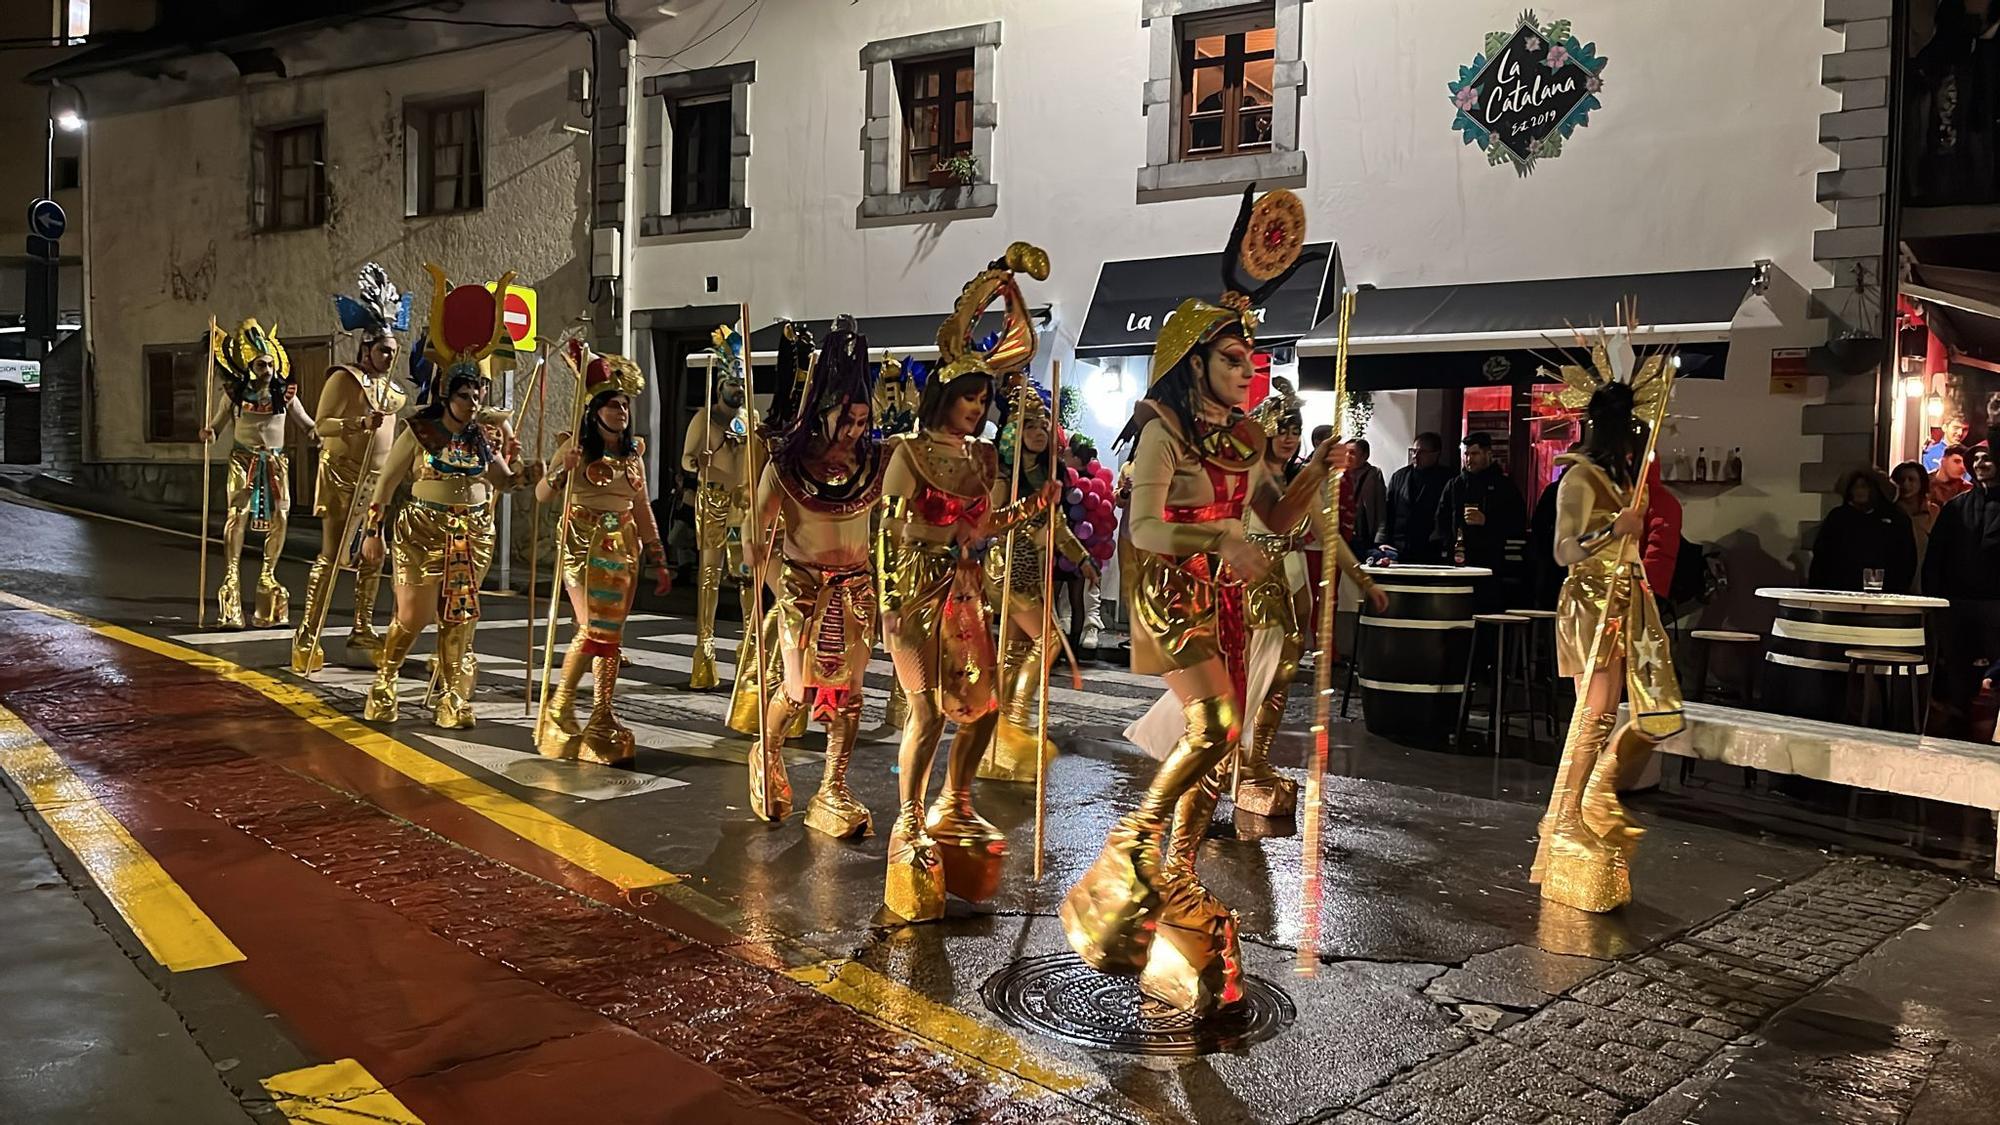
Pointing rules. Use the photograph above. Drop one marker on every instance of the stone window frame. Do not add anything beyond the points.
(1165, 176)
(660, 89)
(883, 201)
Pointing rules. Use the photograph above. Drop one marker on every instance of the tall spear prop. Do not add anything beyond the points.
(1020, 405)
(207, 412)
(1048, 620)
(755, 626)
(1329, 531)
(540, 393)
(555, 578)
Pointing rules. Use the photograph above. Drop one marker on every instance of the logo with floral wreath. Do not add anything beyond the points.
(1527, 92)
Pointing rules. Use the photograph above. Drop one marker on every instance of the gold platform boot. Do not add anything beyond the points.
(381, 705)
(708, 595)
(1259, 788)
(274, 602)
(557, 736)
(770, 785)
(605, 740)
(364, 642)
(1602, 810)
(914, 887)
(306, 655)
(1580, 869)
(458, 671)
(971, 848)
(229, 598)
(1012, 756)
(835, 810)
(1196, 961)
(743, 717)
(1110, 916)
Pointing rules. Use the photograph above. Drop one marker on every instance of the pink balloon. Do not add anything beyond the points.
(1103, 550)
(1093, 468)
(1084, 530)
(1074, 496)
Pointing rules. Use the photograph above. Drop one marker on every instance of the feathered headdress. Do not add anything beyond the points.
(1264, 245)
(958, 354)
(726, 345)
(377, 309)
(468, 323)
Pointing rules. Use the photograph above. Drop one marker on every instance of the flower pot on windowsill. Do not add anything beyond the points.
(941, 178)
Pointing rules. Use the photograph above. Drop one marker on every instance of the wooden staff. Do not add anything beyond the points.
(754, 473)
(207, 413)
(555, 579)
(1014, 497)
(539, 392)
(1048, 625)
(1329, 532)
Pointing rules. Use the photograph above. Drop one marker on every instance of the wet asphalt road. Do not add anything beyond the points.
(1437, 954)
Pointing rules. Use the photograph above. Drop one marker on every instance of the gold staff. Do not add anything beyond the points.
(207, 412)
(1020, 407)
(535, 391)
(1329, 532)
(555, 578)
(755, 475)
(1048, 620)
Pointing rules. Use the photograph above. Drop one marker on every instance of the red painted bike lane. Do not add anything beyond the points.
(475, 990)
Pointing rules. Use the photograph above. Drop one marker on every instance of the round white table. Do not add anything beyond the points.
(1806, 664)
(1413, 655)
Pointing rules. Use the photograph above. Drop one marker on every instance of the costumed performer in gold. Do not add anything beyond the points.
(937, 519)
(1022, 651)
(1276, 638)
(607, 530)
(444, 532)
(259, 393)
(896, 399)
(795, 354)
(714, 451)
(1608, 632)
(813, 507)
(1198, 469)
(356, 420)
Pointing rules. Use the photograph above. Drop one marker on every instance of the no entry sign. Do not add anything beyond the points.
(519, 314)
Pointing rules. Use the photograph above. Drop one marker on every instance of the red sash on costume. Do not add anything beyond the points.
(1232, 632)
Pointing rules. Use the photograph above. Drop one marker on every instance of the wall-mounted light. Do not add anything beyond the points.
(1913, 386)
(1934, 407)
(69, 121)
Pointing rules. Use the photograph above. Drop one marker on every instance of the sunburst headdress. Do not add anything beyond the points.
(1615, 359)
(958, 354)
(1265, 246)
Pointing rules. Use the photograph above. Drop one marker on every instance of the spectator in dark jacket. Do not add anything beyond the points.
(1371, 492)
(1481, 504)
(1410, 516)
(1963, 565)
(1867, 532)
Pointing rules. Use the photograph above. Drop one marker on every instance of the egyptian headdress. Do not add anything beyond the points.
(959, 351)
(377, 309)
(236, 352)
(1262, 254)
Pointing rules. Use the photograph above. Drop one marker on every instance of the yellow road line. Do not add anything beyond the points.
(996, 1053)
(991, 1051)
(550, 833)
(339, 1093)
(170, 925)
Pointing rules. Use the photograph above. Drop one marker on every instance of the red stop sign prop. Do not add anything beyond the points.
(519, 323)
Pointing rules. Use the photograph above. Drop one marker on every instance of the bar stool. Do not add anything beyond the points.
(1866, 665)
(1498, 624)
(1538, 666)
(1705, 643)
(1354, 662)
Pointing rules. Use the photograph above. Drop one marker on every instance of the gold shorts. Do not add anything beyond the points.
(718, 517)
(267, 491)
(828, 616)
(942, 632)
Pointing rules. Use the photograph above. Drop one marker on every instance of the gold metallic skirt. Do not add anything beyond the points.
(426, 535)
(941, 626)
(1268, 602)
(600, 555)
(334, 488)
(261, 480)
(1175, 619)
(718, 517)
(828, 616)
(1599, 596)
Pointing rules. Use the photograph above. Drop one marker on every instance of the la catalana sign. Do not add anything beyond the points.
(1527, 92)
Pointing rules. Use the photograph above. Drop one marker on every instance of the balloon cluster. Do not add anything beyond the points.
(1087, 500)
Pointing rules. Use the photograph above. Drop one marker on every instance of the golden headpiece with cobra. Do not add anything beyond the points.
(468, 323)
(602, 373)
(958, 353)
(1614, 359)
(236, 351)
(1264, 245)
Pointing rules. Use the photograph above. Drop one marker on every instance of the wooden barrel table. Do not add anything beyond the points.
(1413, 655)
(1805, 669)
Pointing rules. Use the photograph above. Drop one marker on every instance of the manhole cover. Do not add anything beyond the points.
(1059, 996)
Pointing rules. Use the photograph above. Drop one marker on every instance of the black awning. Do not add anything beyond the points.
(897, 334)
(1134, 297)
(1493, 332)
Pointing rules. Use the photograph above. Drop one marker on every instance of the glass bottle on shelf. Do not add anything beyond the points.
(1701, 463)
(1733, 470)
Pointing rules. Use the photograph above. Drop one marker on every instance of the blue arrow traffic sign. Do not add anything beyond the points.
(46, 218)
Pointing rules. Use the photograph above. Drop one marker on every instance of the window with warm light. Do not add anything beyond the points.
(937, 117)
(1227, 66)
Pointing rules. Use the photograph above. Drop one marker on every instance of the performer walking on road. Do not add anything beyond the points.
(260, 394)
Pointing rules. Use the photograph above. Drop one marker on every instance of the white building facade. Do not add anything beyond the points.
(1718, 137)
